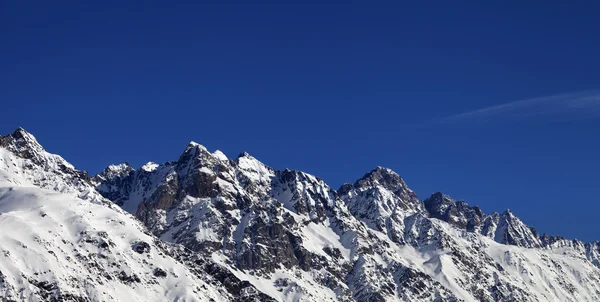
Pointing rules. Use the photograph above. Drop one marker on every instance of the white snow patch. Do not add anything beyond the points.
(149, 167)
(48, 236)
(220, 155)
(317, 236)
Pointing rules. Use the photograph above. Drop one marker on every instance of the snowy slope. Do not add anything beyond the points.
(59, 247)
(286, 232)
(296, 239)
(236, 229)
(23, 156)
(71, 244)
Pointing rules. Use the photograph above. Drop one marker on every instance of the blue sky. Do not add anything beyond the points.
(496, 104)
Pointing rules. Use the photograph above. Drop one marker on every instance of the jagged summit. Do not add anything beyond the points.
(457, 213)
(27, 162)
(113, 171)
(118, 167)
(21, 142)
(21, 133)
(193, 144)
(504, 228)
(438, 201)
(382, 200)
(382, 168)
(258, 233)
(244, 154)
(508, 212)
(439, 195)
(149, 166)
(220, 155)
(56, 246)
(379, 176)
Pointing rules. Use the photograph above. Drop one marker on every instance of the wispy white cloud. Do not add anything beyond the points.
(577, 105)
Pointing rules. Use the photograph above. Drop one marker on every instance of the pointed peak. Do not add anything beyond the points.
(20, 130)
(195, 145)
(437, 194)
(437, 200)
(345, 188)
(510, 216)
(149, 166)
(298, 173)
(192, 154)
(244, 154)
(381, 176)
(22, 134)
(220, 155)
(508, 213)
(440, 196)
(381, 169)
(245, 159)
(118, 170)
(118, 167)
(22, 144)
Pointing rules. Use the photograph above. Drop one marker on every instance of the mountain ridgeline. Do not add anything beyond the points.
(246, 232)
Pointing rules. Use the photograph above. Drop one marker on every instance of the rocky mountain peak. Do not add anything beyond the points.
(149, 166)
(22, 143)
(438, 202)
(220, 155)
(511, 230)
(440, 197)
(381, 176)
(195, 156)
(244, 154)
(382, 182)
(382, 200)
(22, 156)
(194, 145)
(119, 170)
(457, 213)
(345, 188)
(22, 134)
(504, 228)
(291, 236)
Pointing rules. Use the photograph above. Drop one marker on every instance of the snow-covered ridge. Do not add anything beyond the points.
(370, 240)
(255, 232)
(61, 247)
(22, 155)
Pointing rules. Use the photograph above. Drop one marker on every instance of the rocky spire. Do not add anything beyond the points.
(457, 213)
(22, 143)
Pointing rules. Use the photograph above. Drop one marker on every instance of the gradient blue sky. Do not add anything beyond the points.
(495, 104)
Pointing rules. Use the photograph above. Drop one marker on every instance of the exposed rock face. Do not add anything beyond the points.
(240, 230)
(373, 240)
(504, 228)
(382, 200)
(24, 156)
(60, 247)
(457, 213)
(265, 223)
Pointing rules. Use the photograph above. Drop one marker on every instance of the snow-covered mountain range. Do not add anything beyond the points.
(207, 227)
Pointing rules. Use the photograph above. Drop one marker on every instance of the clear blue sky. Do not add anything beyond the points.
(333, 89)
